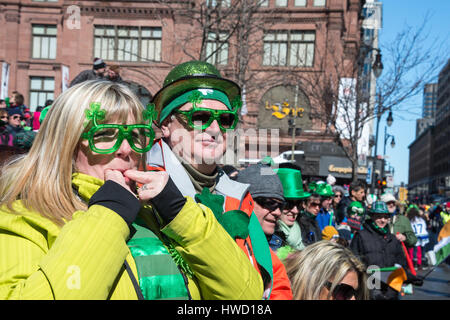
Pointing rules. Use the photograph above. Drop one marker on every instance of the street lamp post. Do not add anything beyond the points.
(386, 138)
(377, 69)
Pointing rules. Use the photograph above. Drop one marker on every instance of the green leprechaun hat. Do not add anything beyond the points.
(292, 182)
(322, 189)
(192, 75)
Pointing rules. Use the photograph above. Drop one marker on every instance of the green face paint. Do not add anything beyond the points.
(107, 138)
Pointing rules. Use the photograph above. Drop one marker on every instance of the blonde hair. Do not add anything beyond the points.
(42, 178)
(310, 269)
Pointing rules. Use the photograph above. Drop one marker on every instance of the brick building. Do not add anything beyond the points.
(46, 44)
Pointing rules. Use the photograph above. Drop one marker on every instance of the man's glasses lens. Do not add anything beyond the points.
(201, 117)
(270, 204)
(227, 119)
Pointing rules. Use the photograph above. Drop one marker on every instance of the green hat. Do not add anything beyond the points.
(44, 114)
(292, 182)
(322, 189)
(190, 76)
(379, 207)
(355, 208)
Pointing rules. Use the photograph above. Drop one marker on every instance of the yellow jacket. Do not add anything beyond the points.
(85, 258)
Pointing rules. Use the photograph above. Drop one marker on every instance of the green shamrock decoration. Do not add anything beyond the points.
(235, 222)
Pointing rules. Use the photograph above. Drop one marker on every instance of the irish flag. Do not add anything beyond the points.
(440, 252)
(442, 249)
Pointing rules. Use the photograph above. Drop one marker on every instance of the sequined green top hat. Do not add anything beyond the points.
(322, 189)
(291, 180)
(379, 207)
(190, 76)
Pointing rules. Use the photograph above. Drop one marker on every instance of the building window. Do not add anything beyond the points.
(120, 43)
(44, 42)
(300, 3)
(264, 3)
(217, 48)
(319, 3)
(281, 3)
(41, 90)
(45, 0)
(219, 3)
(289, 48)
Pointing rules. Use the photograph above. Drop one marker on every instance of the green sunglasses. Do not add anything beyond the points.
(107, 138)
(201, 118)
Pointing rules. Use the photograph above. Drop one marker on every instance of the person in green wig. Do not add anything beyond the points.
(196, 109)
(288, 237)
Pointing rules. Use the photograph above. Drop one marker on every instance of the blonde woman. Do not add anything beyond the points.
(73, 221)
(326, 271)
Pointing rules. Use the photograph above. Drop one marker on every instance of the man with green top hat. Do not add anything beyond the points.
(287, 237)
(195, 109)
(325, 191)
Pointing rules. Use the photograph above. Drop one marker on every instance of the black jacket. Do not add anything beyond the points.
(375, 248)
(310, 229)
(382, 250)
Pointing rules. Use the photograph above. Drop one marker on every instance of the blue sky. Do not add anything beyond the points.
(397, 13)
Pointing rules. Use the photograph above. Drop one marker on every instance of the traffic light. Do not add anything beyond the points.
(384, 182)
(379, 183)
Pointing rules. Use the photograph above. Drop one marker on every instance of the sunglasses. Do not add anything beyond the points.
(314, 204)
(4, 117)
(201, 118)
(17, 117)
(290, 204)
(342, 291)
(270, 204)
(380, 216)
(338, 196)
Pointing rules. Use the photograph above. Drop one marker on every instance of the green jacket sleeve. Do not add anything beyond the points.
(221, 268)
(79, 264)
(403, 225)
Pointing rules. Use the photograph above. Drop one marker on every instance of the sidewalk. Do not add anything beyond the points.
(436, 285)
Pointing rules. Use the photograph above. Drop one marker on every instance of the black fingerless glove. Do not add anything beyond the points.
(115, 197)
(169, 202)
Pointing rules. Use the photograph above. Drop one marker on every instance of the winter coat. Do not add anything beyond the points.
(401, 224)
(376, 248)
(311, 232)
(85, 258)
(236, 197)
(84, 76)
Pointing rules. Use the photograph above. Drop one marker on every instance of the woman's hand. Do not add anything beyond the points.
(117, 177)
(153, 182)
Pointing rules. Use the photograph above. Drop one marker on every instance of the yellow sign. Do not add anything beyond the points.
(359, 170)
(282, 110)
(402, 194)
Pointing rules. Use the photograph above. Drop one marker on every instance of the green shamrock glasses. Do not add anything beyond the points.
(201, 118)
(107, 138)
